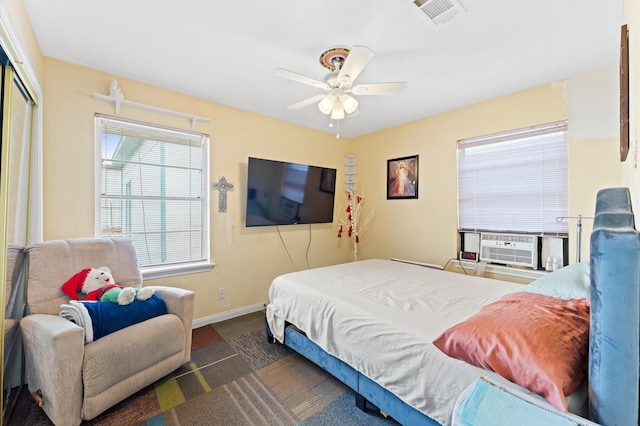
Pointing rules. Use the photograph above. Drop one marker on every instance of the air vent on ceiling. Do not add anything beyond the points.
(440, 11)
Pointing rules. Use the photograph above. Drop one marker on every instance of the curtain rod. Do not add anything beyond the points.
(116, 97)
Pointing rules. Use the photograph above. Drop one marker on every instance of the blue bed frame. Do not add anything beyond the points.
(367, 391)
(614, 341)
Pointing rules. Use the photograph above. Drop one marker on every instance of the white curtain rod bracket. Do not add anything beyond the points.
(116, 97)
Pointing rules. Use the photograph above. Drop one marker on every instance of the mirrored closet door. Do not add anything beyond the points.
(15, 165)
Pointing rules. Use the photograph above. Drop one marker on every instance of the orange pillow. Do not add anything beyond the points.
(539, 342)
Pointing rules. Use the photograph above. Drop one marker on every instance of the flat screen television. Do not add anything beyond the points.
(281, 193)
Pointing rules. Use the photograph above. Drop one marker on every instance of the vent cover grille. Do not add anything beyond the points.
(440, 11)
(509, 249)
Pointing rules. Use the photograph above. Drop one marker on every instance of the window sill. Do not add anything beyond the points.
(171, 271)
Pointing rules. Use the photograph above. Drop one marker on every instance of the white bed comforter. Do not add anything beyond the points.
(381, 316)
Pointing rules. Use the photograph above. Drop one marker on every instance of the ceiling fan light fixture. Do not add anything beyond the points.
(326, 104)
(337, 114)
(349, 103)
(345, 65)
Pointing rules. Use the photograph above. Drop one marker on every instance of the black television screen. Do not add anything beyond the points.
(280, 193)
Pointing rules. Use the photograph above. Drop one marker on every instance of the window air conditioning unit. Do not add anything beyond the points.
(509, 249)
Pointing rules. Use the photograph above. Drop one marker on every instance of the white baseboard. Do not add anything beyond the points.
(413, 262)
(223, 316)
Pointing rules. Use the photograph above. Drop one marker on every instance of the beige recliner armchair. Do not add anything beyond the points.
(78, 381)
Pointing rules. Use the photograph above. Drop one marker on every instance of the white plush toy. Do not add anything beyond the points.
(98, 284)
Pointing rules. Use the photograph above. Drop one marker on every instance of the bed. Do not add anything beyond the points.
(398, 333)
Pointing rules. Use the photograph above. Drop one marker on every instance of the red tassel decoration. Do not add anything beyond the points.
(358, 199)
(350, 217)
(340, 231)
(349, 196)
(350, 230)
(357, 239)
(348, 208)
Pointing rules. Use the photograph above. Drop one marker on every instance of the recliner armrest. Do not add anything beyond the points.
(179, 302)
(56, 345)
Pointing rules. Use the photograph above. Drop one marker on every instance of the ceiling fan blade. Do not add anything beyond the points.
(306, 102)
(357, 59)
(379, 88)
(281, 72)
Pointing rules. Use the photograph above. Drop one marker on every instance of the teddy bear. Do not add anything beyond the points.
(98, 284)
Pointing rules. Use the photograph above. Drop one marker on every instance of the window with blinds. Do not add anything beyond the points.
(514, 181)
(152, 187)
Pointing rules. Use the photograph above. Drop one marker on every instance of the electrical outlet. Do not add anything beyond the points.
(221, 293)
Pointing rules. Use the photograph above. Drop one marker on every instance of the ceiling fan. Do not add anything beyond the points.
(345, 65)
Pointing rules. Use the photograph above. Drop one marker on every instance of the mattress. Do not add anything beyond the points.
(381, 317)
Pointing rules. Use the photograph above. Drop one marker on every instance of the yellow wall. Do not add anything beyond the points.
(422, 229)
(20, 20)
(246, 266)
(425, 229)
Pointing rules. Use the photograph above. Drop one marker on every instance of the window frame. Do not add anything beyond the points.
(523, 138)
(158, 270)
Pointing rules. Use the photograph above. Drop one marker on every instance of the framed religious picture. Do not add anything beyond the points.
(402, 178)
(624, 93)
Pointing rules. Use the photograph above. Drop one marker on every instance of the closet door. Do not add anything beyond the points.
(17, 114)
(15, 141)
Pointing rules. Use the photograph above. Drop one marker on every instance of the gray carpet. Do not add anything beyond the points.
(234, 378)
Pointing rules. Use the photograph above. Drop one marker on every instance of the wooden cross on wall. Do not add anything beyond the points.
(223, 186)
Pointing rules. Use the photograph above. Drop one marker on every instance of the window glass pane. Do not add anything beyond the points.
(152, 190)
(514, 181)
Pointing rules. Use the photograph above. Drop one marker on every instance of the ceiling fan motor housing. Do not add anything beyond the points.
(334, 58)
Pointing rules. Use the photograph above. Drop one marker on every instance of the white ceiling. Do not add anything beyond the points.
(225, 51)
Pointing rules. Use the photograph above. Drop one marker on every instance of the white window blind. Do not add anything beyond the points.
(514, 181)
(152, 187)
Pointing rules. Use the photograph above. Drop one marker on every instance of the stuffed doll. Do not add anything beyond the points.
(98, 284)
